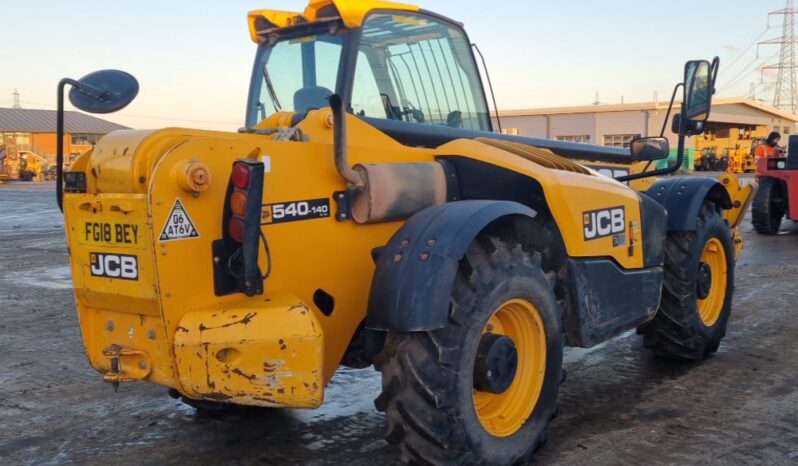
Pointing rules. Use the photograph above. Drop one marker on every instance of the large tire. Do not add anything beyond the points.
(769, 206)
(697, 291)
(428, 378)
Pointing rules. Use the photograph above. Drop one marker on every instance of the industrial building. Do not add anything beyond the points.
(28, 138)
(733, 123)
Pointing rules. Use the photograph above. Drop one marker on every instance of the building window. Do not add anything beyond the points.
(619, 140)
(510, 131)
(80, 139)
(583, 139)
(786, 130)
(14, 138)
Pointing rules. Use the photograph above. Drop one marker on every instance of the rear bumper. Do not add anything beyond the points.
(266, 356)
(270, 356)
(253, 351)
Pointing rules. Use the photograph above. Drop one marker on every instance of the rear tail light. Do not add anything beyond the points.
(235, 228)
(236, 254)
(240, 176)
(238, 202)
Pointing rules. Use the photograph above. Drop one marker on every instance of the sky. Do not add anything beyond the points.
(193, 59)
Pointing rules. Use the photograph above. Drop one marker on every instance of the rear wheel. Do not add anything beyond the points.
(769, 206)
(697, 290)
(482, 389)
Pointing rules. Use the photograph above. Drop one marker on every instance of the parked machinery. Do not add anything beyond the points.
(711, 161)
(778, 194)
(367, 214)
(749, 157)
(30, 167)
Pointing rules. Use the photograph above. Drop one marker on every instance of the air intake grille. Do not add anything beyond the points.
(540, 156)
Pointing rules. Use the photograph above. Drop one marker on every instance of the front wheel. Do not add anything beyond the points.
(697, 290)
(482, 389)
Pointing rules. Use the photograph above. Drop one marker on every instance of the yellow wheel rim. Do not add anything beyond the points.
(714, 256)
(503, 414)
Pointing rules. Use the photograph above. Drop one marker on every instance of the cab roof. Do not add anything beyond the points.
(351, 12)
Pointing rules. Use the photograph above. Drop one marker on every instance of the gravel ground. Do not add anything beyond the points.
(619, 405)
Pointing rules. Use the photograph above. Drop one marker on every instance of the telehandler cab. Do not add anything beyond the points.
(368, 214)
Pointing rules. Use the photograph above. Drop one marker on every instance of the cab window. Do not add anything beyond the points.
(418, 69)
(296, 75)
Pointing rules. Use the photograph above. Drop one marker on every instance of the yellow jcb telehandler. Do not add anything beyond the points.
(368, 214)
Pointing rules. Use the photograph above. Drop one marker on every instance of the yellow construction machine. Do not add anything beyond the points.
(19, 165)
(369, 214)
(30, 167)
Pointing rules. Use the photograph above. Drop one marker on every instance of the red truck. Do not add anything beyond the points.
(777, 197)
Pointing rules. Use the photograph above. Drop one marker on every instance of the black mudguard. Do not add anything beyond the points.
(606, 300)
(416, 269)
(682, 198)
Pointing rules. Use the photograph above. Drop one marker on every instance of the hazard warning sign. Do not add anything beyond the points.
(179, 224)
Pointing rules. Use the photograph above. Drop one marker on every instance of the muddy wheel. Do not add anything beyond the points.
(769, 206)
(697, 291)
(482, 389)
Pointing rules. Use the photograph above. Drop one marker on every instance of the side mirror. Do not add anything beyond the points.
(105, 91)
(650, 149)
(100, 92)
(699, 86)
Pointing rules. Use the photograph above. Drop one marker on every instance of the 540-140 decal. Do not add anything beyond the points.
(292, 211)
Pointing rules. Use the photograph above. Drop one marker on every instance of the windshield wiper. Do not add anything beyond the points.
(270, 87)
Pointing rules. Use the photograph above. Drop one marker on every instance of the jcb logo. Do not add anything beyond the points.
(114, 266)
(604, 222)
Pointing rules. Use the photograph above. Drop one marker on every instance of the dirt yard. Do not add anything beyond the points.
(619, 405)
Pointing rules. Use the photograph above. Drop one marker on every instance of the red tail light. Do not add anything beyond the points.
(238, 200)
(236, 254)
(235, 228)
(240, 176)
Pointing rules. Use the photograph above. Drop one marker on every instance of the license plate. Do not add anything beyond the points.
(121, 235)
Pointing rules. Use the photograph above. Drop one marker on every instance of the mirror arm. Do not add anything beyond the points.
(714, 70)
(59, 147)
(679, 155)
(670, 109)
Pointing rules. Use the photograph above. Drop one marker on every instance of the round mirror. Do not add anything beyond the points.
(104, 91)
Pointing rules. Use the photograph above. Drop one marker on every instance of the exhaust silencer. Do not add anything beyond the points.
(395, 191)
(386, 191)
